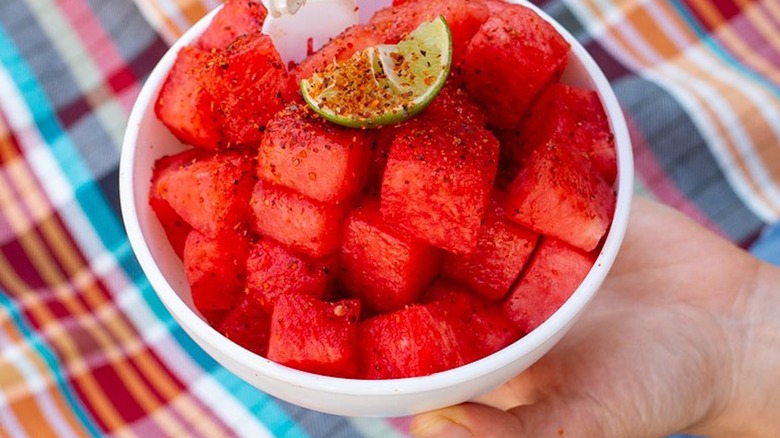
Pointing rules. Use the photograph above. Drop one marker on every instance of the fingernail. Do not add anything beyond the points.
(439, 426)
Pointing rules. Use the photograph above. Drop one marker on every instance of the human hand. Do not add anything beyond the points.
(683, 336)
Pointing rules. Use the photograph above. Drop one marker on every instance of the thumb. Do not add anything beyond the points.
(464, 421)
(570, 419)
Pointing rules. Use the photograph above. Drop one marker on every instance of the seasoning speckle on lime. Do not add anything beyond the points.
(384, 84)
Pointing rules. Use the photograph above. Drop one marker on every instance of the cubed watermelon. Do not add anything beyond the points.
(509, 60)
(438, 179)
(315, 336)
(210, 192)
(176, 229)
(273, 271)
(354, 39)
(557, 193)
(303, 224)
(501, 253)
(185, 106)
(481, 326)
(248, 325)
(321, 160)
(413, 341)
(568, 114)
(251, 85)
(236, 18)
(384, 267)
(554, 273)
(215, 267)
(464, 18)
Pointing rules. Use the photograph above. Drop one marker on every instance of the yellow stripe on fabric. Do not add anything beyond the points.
(147, 366)
(758, 128)
(47, 268)
(84, 71)
(734, 41)
(21, 398)
(83, 280)
(65, 346)
(192, 10)
(734, 110)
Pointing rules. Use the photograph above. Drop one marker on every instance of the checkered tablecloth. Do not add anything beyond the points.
(86, 348)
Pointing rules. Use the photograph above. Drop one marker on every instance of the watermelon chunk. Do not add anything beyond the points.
(412, 341)
(210, 192)
(176, 229)
(438, 179)
(303, 224)
(354, 39)
(509, 60)
(502, 251)
(250, 85)
(316, 158)
(273, 271)
(481, 326)
(185, 106)
(236, 18)
(248, 325)
(315, 336)
(215, 268)
(573, 115)
(557, 193)
(464, 18)
(385, 268)
(554, 273)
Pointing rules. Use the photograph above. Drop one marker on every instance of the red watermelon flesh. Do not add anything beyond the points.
(316, 158)
(273, 271)
(573, 115)
(315, 336)
(354, 39)
(185, 106)
(412, 341)
(482, 328)
(176, 229)
(438, 179)
(557, 194)
(215, 267)
(463, 17)
(508, 62)
(384, 267)
(250, 85)
(554, 273)
(236, 18)
(248, 325)
(502, 251)
(303, 224)
(209, 192)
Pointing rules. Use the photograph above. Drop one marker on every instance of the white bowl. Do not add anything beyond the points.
(147, 139)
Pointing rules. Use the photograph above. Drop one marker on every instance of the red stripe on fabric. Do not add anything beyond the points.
(659, 184)
(14, 252)
(121, 79)
(745, 29)
(712, 14)
(612, 68)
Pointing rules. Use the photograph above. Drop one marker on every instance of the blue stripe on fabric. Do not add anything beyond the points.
(724, 54)
(34, 340)
(106, 224)
(767, 247)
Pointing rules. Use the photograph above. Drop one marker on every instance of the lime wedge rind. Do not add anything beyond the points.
(396, 82)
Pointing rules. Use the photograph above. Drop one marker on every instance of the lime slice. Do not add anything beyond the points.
(384, 84)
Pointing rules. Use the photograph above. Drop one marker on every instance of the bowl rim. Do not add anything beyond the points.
(197, 328)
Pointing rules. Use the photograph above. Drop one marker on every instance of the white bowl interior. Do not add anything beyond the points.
(147, 139)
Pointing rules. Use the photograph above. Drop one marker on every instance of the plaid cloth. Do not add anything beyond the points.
(86, 348)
